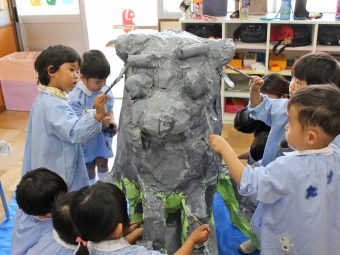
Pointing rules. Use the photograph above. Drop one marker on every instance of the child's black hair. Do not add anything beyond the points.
(95, 65)
(37, 190)
(317, 68)
(96, 212)
(54, 56)
(256, 149)
(61, 218)
(275, 84)
(318, 106)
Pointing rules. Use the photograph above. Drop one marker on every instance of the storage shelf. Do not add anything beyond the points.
(250, 72)
(228, 118)
(328, 48)
(246, 46)
(230, 25)
(236, 94)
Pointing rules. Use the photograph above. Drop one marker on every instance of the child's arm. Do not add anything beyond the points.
(199, 235)
(134, 235)
(244, 155)
(234, 165)
(255, 96)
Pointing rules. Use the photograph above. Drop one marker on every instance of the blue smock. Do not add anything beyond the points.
(118, 247)
(51, 243)
(272, 112)
(299, 209)
(82, 98)
(54, 135)
(27, 231)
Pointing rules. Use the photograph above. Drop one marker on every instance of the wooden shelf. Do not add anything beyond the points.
(236, 94)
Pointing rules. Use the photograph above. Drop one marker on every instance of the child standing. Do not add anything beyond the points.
(93, 73)
(299, 192)
(101, 218)
(55, 132)
(274, 86)
(62, 240)
(312, 68)
(35, 196)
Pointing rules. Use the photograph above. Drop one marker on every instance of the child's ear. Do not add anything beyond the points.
(118, 231)
(312, 137)
(82, 77)
(285, 96)
(50, 70)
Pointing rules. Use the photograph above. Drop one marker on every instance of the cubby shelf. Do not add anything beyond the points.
(228, 27)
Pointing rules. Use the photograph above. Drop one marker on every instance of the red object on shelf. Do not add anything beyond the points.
(232, 105)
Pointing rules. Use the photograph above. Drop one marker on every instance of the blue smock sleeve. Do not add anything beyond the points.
(269, 110)
(269, 183)
(67, 126)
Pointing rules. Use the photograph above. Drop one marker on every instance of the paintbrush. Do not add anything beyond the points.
(239, 71)
(120, 76)
(189, 214)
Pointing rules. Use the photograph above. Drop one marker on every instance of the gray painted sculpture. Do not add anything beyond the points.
(171, 104)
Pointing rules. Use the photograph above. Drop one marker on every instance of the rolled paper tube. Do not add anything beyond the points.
(142, 60)
(192, 50)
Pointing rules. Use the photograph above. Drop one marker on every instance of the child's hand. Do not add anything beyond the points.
(133, 225)
(217, 143)
(200, 234)
(256, 83)
(99, 105)
(106, 121)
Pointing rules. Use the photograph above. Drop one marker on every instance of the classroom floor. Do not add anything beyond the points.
(13, 126)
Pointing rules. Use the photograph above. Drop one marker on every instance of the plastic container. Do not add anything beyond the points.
(197, 11)
(18, 80)
(244, 8)
(285, 9)
(337, 13)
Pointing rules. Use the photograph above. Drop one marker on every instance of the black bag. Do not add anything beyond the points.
(251, 33)
(329, 35)
(302, 35)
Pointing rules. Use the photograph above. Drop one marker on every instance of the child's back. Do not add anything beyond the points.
(35, 197)
(62, 240)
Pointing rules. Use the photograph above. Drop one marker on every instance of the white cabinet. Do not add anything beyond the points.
(224, 27)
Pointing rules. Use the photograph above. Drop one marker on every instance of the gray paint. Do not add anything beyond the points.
(171, 104)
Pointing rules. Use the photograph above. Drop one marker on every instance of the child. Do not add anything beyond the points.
(55, 132)
(35, 196)
(62, 240)
(101, 218)
(93, 73)
(298, 193)
(312, 68)
(274, 86)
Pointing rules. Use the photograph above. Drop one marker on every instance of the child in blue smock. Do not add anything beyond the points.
(55, 132)
(35, 196)
(101, 218)
(274, 86)
(62, 240)
(312, 68)
(93, 73)
(298, 193)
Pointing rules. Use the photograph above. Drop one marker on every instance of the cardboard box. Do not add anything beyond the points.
(18, 80)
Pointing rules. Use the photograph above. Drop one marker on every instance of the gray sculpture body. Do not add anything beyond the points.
(171, 104)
